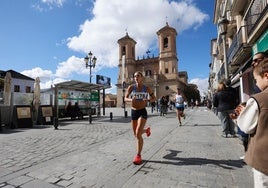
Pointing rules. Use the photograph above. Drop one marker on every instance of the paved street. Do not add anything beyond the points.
(83, 155)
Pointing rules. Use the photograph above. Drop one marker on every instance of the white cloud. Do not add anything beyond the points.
(45, 5)
(141, 18)
(57, 3)
(110, 21)
(202, 85)
(44, 75)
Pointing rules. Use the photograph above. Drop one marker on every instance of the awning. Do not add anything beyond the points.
(81, 86)
(78, 86)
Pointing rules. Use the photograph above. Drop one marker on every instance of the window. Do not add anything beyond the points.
(124, 50)
(166, 70)
(28, 89)
(165, 42)
(148, 73)
(16, 88)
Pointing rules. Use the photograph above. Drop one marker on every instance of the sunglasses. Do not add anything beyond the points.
(137, 75)
(256, 61)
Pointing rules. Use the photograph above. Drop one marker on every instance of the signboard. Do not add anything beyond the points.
(94, 96)
(47, 111)
(103, 80)
(22, 117)
(262, 43)
(23, 112)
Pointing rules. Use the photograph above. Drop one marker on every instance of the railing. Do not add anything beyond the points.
(255, 13)
(237, 43)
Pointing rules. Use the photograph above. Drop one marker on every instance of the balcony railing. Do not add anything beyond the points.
(238, 42)
(255, 13)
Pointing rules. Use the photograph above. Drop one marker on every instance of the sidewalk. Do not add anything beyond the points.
(100, 154)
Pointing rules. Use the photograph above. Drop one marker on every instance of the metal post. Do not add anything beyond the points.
(56, 118)
(90, 62)
(90, 72)
(89, 110)
(103, 101)
(225, 57)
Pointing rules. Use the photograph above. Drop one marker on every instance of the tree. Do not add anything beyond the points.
(191, 92)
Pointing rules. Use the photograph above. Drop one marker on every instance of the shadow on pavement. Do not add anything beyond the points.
(116, 119)
(180, 161)
(205, 125)
(11, 131)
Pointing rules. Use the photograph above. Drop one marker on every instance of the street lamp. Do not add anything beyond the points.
(223, 31)
(90, 62)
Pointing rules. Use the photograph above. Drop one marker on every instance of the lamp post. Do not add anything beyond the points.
(90, 62)
(223, 31)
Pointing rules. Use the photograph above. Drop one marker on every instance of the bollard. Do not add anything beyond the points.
(125, 114)
(56, 123)
(111, 116)
(90, 118)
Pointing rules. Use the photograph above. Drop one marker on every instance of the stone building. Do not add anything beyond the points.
(160, 73)
(242, 31)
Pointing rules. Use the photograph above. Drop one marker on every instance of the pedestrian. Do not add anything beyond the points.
(69, 111)
(77, 111)
(179, 104)
(259, 56)
(223, 100)
(137, 94)
(163, 106)
(152, 106)
(253, 120)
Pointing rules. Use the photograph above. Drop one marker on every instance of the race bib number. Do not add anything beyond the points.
(140, 95)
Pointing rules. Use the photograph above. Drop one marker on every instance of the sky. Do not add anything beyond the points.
(50, 38)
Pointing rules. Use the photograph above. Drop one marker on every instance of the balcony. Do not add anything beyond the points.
(256, 19)
(239, 50)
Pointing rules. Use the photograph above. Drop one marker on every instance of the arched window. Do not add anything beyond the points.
(148, 73)
(123, 50)
(165, 42)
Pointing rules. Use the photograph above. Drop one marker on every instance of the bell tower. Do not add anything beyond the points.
(168, 61)
(127, 65)
(126, 58)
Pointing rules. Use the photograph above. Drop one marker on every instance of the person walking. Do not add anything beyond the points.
(259, 56)
(223, 100)
(179, 104)
(137, 94)
(252, 119)
(163, 106)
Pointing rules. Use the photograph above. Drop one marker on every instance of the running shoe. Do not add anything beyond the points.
(148, 131)
(180, 123)
(137, 160)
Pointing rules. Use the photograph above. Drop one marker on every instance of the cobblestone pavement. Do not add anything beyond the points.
(82, 155)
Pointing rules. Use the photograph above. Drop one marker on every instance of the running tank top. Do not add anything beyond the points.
(140, 95)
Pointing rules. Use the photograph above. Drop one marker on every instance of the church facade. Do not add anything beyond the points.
(160, 73)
